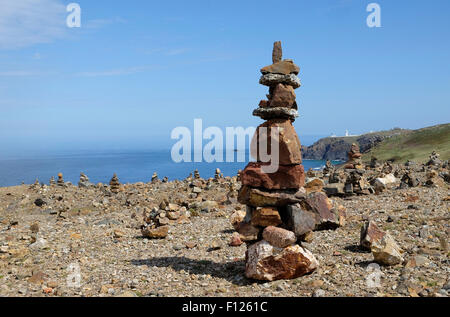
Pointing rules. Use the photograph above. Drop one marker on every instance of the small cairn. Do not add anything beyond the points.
(434, 159)
(328, 169)
(60, 181)
(280, 214)
(156, 223)
(155, 178)
(218, 174)
(84, 181)
(52, 181)
(196, 174)
(354, 158)
(115, 185)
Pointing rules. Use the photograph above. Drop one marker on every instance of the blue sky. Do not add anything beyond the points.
(137, 69)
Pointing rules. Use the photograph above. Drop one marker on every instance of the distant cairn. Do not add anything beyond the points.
(84, 181)
(115, 184)
(60, 181)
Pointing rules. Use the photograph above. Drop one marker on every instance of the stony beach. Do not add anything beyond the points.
(48, 232)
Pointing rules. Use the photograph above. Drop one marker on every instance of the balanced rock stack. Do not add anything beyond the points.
(84, 181)
(354, 158)
(60, 181)
(280, 213)
(115, 184)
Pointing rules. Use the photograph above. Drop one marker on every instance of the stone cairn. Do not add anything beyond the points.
(52, 181)
(155, 178)
(115, 184)
(354, 158)
(60, 181)
(280, 214)
(84, 181)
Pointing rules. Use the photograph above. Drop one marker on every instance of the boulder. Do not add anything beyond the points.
(287, 177)
(279, 237)
(386, 251)
(236, 218)
(314, 185)
(334, 189)
(288, 143)
(264, 262)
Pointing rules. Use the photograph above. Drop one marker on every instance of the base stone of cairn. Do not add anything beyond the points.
(280, 211)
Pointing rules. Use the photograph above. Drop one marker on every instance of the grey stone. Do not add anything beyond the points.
(274, 79)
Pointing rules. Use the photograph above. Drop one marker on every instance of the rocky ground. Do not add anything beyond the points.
(86, 241)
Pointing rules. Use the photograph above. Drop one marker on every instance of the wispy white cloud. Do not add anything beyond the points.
(18, 73)
(99, 23)
(27, 22)
(114, 72)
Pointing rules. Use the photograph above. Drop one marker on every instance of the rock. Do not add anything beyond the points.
(386, 251)
(313, 213)
(276, 113)
(39, 244)
(287, 177)
(287, 142)
(34, 228)
(118, 234)
(277, 53)
(334, 189)
(209, 206)
(315, 185)
(236, 218)
(264, 198)
(265, 217)
(285, 67)
(156, 233)
(283, 96)
(264, 262)
(279, 237)
(236, 240)
(417, 261)
(248, 232)
(40, 202)
(154, 178)
(272, 79)
(370, 233)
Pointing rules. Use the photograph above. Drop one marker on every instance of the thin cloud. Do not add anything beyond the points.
(114, 72)
(28, 22)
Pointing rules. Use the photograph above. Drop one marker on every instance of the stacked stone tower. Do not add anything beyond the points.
(280, 214)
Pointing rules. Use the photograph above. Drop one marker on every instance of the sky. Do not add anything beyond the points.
(137, 69)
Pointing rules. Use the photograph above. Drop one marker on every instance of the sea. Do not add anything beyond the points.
(130, 167)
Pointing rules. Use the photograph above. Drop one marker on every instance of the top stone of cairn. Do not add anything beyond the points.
(277, 53)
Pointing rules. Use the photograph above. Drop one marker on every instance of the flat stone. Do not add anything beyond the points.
(276, 113)
(314, 185)
(275, 79)
(286, 140)
(279, 237)
(287, 177)
(264, 262)
(284, 67)
(156, 233)
(334, 189)
(265, 217)
(275, 198)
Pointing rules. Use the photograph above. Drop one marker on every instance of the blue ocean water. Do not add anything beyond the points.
(130, 167)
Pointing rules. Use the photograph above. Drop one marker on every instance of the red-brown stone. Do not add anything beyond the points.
(287, 177)
(283, 96)
(288, 142)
